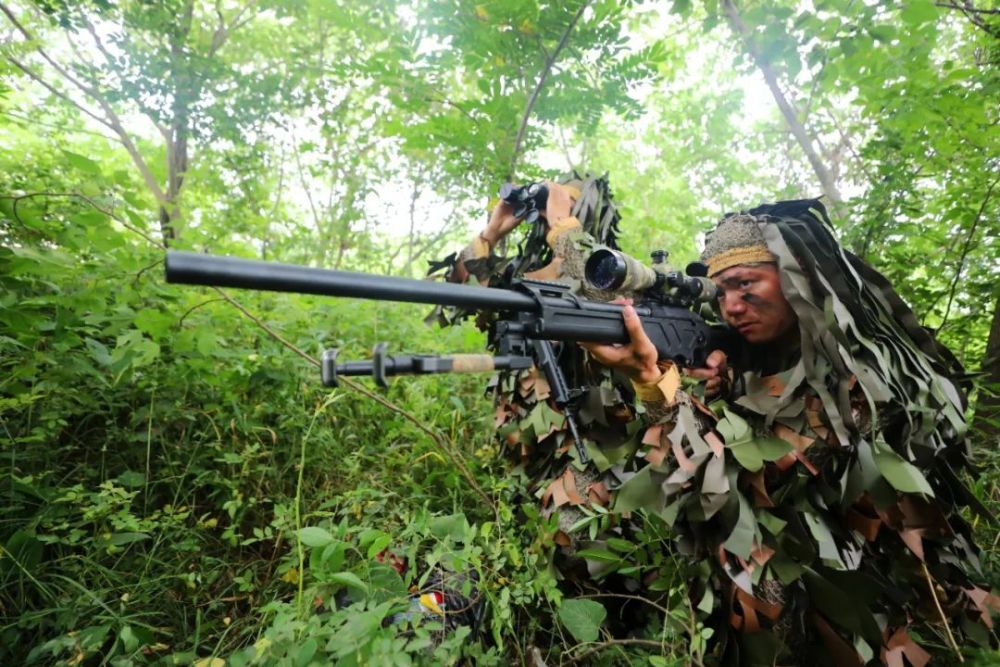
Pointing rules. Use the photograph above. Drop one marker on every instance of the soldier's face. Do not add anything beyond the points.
(751, 300)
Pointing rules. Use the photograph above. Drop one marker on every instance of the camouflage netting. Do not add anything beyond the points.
(830, 508)
(532, 430)
(815, 507)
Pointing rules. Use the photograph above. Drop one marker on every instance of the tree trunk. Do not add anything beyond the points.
(185, 89)
(177, 165)
(826, 178)
(987, 417)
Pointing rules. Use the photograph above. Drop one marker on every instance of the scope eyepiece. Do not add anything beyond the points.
(697, 288)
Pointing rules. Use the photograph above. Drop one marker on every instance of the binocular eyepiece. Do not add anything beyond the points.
(613, 270)
(527, 201)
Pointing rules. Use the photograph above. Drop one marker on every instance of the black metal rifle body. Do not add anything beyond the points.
(530, 310)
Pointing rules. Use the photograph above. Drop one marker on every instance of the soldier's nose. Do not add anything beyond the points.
(733, 305)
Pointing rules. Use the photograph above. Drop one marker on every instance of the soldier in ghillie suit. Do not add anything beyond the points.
(829, 507)
(808, 479)
(534, 434)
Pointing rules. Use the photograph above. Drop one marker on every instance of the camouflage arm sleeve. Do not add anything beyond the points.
(478, 260)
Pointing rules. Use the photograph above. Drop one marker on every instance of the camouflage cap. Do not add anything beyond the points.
(737, 239)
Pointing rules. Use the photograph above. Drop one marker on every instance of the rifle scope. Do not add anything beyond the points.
(613, 270)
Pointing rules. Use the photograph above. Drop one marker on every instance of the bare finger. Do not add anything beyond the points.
(716, 359)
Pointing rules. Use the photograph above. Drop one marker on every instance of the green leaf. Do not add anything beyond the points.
(90, 219)
(99, 352)
(93, 636)
(824, 538)
(740, 540)
(915, 12)
(306, 652)
(119, 539)
(734, 429)
(618, 544)
(599, 555)
(772, 448)
(332, 556)
(378, 544)
(452, 525)
(84, 164)
(153, 322)
(314, 536)
(640, 491)
(748, 455)
(582, 618)
(350, 580)
(23, 548)
(383, 579)
(903, 476)
(129, 640)
(205, 342)
(682, 7)
(771, 522)
(707, 601)
(132, 348)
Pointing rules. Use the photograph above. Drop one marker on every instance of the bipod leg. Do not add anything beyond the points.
(565, 398)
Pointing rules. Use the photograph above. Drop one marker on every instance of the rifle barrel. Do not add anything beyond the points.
(218, 271)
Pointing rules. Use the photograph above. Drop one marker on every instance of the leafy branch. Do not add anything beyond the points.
(546, 70)
(974, 14)
(110, 119)
(596, 648)
(965, 251)
(798, 130)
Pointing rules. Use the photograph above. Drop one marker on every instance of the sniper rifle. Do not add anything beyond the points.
(530, 315)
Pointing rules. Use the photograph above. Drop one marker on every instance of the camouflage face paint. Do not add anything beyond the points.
(753, 303)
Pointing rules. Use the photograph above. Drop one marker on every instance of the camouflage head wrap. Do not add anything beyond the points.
(853, 319)
(737, 240)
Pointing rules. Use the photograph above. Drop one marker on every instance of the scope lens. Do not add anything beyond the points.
(605, 269)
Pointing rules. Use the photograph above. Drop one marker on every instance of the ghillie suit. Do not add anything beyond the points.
(531, 430)
(828, 511)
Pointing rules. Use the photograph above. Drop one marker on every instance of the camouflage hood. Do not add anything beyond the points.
(855, 328)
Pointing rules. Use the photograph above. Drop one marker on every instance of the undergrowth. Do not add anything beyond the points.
(179, 488)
